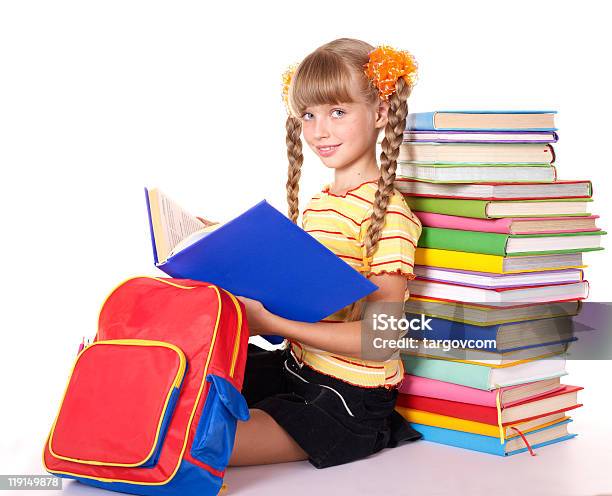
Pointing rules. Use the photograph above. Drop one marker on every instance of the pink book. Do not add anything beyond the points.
(432, 388)
(511, 225)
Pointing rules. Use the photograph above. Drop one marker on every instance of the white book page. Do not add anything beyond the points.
(177, 223)
(192, 238)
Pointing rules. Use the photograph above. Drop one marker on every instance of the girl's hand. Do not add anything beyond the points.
(256, 315)
(206, 222)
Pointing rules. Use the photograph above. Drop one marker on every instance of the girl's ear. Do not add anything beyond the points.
(382, 115)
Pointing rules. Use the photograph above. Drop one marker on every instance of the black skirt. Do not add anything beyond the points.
(333, 421)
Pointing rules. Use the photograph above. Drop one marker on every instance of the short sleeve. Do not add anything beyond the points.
(396, 247)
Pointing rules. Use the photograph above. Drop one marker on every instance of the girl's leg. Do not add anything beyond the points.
(260, 440)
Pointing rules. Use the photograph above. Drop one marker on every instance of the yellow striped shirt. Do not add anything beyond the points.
(340, 222)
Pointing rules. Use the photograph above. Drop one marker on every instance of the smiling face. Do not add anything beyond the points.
(344, 134)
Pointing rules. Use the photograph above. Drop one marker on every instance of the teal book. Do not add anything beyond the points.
(482, 376)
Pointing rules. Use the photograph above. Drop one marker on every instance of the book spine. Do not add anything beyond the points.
(463, 208)
(467, 241)
(155, 259)
(431, 388)
(464, 374)
(449, 259)
(422, 121)
(447, 422)
(428, 219)
(459, 439)
(448, 329)
(458, 409)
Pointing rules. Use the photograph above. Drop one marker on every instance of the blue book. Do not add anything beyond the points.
(487, 444)
(482, 120)
(552, 331)
(260, 254)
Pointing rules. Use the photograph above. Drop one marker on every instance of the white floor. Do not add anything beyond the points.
(579, 467)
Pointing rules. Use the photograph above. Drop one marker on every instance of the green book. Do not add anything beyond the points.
(509, 244)
(489, 209)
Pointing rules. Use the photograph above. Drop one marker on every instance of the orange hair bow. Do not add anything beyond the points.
(386, 66)
(286, 78)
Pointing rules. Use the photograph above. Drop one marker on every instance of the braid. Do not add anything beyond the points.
(294, 154)
(394, 135)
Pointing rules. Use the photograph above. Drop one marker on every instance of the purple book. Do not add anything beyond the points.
(481, 136)
(488, 280)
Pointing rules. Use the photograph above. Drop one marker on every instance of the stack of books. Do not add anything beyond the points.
(499, 271)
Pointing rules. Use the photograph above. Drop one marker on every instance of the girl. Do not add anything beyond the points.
(321, 398)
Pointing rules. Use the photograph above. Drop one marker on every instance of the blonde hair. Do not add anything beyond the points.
(325, 76)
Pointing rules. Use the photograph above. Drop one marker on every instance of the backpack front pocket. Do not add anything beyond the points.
(118, 403)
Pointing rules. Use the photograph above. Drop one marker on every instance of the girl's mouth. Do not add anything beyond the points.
(326, 151)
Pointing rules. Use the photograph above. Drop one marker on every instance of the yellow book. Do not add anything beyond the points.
(480, 262)
(457, 424)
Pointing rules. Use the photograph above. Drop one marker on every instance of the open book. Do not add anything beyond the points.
(260, 254)
(172, 227)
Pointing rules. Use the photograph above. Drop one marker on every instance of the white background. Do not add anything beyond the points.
(99, 99)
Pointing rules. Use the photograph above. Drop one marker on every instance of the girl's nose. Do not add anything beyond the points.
(321, 128)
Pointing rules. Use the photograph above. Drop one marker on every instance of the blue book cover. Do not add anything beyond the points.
(449, 329)
(262, 255)
(478, 442)
(425, 121)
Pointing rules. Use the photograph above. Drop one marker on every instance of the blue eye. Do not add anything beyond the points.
(342, 112)
(305, 116)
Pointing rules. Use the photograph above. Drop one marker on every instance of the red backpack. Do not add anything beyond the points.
(151, 405)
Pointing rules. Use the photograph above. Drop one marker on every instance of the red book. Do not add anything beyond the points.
(558, 401)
